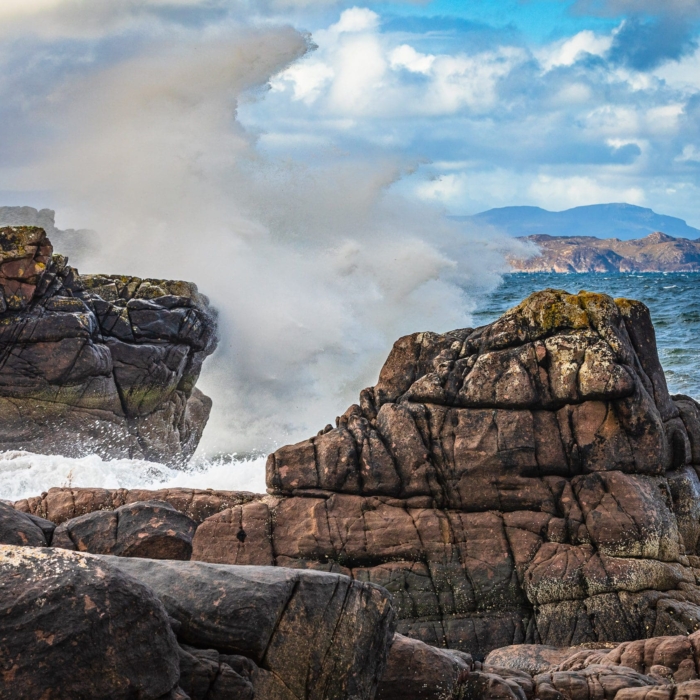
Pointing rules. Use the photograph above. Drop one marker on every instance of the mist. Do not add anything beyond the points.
(315, 267)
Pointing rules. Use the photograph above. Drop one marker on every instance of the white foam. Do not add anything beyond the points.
(24, 474)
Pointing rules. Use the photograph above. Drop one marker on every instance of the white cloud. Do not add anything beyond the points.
(308, 78)
(567, 51)
(356, 19)
(691, 153)
(407, 57)
(560, 193)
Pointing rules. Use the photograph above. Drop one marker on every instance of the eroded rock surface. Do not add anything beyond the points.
(95, 363)
(75, 627)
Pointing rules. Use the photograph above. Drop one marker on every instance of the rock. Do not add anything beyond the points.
(527, 481)
(72, 626)
(149, 529)
(420, 672)
(61, 504)
(20, 529)
(310, 634)
(94, 363)
(532, 658)
(205, 675)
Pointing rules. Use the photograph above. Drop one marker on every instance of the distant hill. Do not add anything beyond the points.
(623, 221)
(656, 252)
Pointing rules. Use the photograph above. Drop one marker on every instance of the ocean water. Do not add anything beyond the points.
(672, 298)
(674, 301)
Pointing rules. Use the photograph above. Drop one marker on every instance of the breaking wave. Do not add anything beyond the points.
(24, 474)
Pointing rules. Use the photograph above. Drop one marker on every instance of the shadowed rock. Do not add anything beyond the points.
(311, 635)
(76, 627)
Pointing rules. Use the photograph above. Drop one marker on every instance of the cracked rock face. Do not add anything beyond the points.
(528, 481)
(93, 363)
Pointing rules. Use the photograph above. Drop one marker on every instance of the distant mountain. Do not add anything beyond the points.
(623, 221)
(656, 252)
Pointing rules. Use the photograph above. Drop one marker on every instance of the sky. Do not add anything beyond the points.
(540, 102)
(485, 103)
(300, 159)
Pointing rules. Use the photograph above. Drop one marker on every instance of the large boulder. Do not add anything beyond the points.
(73, 626)
(309, 635)
(95, 363)
(147, 529)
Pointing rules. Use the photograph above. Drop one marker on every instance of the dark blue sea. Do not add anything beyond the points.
(673, 298)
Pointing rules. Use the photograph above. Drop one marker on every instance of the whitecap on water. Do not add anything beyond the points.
(24, 474)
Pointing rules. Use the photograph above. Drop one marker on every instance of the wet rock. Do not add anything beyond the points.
(72, 626)
(93, 363)
(150, 529)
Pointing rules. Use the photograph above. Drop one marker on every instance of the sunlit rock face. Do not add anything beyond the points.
(528, 481)
(93, 363)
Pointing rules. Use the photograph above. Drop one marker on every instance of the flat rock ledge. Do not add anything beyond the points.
(98, 363)
(519, 502)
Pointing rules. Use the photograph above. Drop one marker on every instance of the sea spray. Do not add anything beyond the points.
(24, 474)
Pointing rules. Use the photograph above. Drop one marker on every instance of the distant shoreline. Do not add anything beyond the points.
(657, 252)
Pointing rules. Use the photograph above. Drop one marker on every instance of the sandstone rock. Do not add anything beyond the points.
(149, 529)
(311, 635)
(73, 626)
(94, 363)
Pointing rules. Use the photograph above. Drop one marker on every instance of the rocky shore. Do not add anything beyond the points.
(656, 252)
(511, 512)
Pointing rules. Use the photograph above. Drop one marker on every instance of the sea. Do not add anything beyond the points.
(673, 299)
